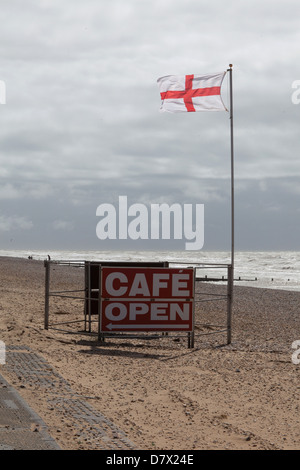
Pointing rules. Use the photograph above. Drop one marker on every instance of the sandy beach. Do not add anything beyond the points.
(160, 393)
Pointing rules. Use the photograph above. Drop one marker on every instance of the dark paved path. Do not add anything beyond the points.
(21, 428)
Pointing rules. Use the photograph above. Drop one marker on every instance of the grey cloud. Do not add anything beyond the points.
(81, 125)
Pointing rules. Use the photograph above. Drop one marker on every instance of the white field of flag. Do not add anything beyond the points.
(191, 93)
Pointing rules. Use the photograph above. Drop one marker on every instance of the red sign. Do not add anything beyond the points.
(147, 299)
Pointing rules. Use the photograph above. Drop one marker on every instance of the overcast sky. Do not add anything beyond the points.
(81, 125)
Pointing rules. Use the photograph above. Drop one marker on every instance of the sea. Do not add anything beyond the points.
(262, 269)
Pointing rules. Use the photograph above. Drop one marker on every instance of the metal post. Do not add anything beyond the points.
(231, 268)
(47, 289)
(101, 337)
(89, 296)
(232, 168)
(191, 335)
(85, 293)
(191, 338)
(229, 303)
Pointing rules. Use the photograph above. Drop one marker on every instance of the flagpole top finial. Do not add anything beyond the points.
(230, 65)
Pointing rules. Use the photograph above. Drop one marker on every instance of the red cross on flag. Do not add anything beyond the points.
(191, 93)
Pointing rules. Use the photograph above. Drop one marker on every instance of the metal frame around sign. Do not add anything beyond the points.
(171, 327)
(84, 296)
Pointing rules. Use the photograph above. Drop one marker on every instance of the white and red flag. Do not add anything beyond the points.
(191, 93)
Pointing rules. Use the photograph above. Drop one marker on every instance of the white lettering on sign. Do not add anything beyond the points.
(147, 299)
(109, 284)
(137, 309)
(117, 285)
(117, 311)
(158, 283)
(179, 284)
(139, 286)
(121, 311)
(176, 310)
(158, 312)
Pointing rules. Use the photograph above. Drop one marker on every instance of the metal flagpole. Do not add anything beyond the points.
(231, 270)
(232, 168)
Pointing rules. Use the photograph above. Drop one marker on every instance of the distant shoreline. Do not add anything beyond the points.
(274, 282)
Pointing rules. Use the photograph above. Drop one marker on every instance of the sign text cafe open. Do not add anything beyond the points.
(148, 299)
